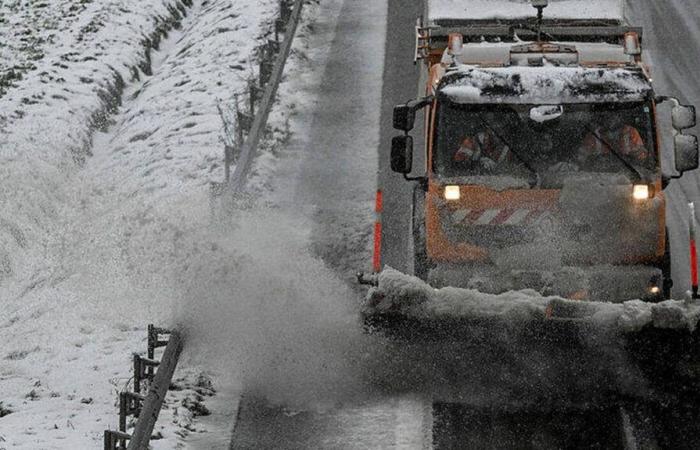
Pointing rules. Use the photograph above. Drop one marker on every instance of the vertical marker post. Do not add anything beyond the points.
(377, 257)
(693, 252)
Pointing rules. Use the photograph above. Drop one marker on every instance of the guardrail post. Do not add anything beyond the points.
(279, 28)
(244, 122)
(285, 11)
(137, 374)
(250, 146)
(154, 342)
(115, 440)
(141, 372)
(252, 97)
(273, 47)
(265, 71)
(146, 408)
(156, 394)
(129, 405)
(122, 411)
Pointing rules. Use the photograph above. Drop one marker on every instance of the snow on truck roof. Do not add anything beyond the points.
(519, 9)
(543, 85)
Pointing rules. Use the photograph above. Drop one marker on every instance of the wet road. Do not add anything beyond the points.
(328, 176)
(671, 45)
(343, 119)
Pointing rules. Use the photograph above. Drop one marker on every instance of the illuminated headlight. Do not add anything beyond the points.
(641, 192)
(452, 193)
(655, 290)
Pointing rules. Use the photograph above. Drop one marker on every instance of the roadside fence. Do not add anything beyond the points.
(154, 374)
(252, 107)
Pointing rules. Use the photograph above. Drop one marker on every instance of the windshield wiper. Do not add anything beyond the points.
(516, 153)
(632, 169)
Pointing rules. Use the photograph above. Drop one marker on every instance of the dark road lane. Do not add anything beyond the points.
(400, 85)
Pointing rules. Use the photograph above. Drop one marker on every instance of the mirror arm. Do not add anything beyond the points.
(420, 103)
(665, 98)
(419, 179)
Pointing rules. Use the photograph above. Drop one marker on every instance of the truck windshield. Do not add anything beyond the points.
(517, 140)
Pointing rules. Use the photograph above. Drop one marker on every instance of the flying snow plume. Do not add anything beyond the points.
(261, 306)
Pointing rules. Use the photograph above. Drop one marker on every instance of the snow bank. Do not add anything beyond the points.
(519, 9)
(49, 109)
(106, 150)
(468, 84)
(400, 293)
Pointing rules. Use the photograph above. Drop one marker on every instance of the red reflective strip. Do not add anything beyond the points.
(377, 256)
(474, 215)
(502, 216)
(693, 263)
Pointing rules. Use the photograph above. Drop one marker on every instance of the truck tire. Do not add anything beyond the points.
(421, 265)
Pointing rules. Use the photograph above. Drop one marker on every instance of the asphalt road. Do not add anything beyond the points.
(328, 176)
(672, 43)
(324, 179)
(400, 84)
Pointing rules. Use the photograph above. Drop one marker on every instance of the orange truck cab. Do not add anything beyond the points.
(542, 154)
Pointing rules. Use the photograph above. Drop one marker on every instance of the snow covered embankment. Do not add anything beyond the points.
(81, 57)
(107, 151)
(409, 296)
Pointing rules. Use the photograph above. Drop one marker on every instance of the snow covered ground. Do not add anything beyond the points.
(107, 151)
(105, 228)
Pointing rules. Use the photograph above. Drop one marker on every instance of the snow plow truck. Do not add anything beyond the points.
(542, 163)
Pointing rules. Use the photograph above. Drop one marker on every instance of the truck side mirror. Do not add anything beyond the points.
(683, 117)
(402, 154)
(404, 118)
(686, 152)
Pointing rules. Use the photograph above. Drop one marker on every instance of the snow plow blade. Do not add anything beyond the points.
(404, 307)
(450, 332)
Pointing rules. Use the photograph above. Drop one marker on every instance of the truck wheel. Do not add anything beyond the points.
(421, 264)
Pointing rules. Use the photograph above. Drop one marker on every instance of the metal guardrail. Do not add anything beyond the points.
(250, 146)
(146, 407)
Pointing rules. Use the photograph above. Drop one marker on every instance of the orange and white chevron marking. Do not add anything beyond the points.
(503, 216)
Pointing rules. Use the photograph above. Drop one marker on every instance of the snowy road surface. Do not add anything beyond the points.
(332, 189)
(327, 176)
(672, 43)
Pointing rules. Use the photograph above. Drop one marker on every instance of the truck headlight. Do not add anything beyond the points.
(641, 192)
(452, 193)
